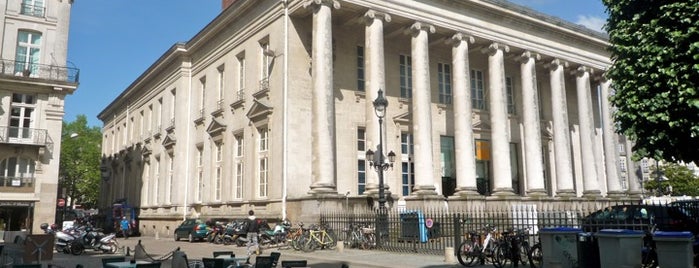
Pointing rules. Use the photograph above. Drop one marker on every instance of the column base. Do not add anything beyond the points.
(537, 192)
(466, 193)
(616, 194)
(635, 194)
(423, 190)
(593, 194)
(323, 189)
(503, 192)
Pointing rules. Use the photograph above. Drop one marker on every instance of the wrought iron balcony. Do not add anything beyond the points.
(16, 184)
(32, 70)
(27, 136)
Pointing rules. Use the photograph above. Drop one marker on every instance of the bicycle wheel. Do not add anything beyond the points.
(501, 256)
(311, 244)
(535, 256)
(369, 240)
(329, 240)
(524, 250)
(468, 253)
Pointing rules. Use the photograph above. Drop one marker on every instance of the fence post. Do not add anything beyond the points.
(457, 233)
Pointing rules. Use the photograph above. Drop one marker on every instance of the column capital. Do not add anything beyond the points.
(555, 63)
(494, 47)
(314, 3)
(459, 37)
(526, 55)
(420, 26)
(372, 15)
(581, 70)
(603, 79)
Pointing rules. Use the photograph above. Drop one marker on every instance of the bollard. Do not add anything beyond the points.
(340, 246)
(157, 236)
(128, 252)
(449, 255)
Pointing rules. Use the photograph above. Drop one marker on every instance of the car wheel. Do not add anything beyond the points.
(190, 238)
(177, 238)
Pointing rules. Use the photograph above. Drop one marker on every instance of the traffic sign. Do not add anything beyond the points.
(429, 222)
(61, 202)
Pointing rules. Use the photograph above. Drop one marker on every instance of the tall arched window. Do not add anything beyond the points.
(16, 171)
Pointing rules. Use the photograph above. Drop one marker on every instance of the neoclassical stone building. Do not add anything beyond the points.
(269, 107)
(34, 81)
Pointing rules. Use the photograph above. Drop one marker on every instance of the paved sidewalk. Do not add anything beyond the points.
(159, 248)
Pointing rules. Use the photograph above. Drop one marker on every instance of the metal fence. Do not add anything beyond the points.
(430, 231)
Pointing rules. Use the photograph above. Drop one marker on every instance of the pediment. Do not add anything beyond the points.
(404, 118)
(215, 127)
(477, 123)
(258, 110)
(169, 140)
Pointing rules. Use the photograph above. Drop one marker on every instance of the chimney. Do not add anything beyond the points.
(226, 3)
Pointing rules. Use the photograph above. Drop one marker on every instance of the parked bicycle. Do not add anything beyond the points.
(319, 236)
(649, 256)
(477, 246)
(360, 236)
(535, 255)
(513, 249)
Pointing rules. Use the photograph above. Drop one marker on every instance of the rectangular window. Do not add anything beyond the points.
(156, 181)
(263, 139)
(131, 128)
(407, 165)
(510, 91)
(263, 177)
(221, 84)
(360, 69)
(622, 166)
(22, 116)
(34, 8)
(477, 90)
(406, 143)
(218, 151)
(444, 81)
(447, 160)
(173, 106)
(239, 165)
(202, 90)
(361, 139)
(146, 182)
(141, 124)
(241, 77)
(200, 175)
(361, 176)
(28, 52)
(170, 179)
(159, 115)
(406, 77)
(150, 118)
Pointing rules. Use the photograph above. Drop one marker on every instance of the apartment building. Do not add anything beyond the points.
(270, 107)
(34, 81)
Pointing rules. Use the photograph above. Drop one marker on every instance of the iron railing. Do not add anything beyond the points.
(27, 136)
(42, 71)
(16, 183)
(430, 231)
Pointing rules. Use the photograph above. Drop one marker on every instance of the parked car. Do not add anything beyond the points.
(640, 217)
(192, 229)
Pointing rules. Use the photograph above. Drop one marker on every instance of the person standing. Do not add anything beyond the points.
(253, 230)
(124, 223)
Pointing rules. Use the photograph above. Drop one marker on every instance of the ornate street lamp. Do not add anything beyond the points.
(378, 162)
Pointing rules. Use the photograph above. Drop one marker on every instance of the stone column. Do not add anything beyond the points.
(611, 155)
(323, 106)
(463, 110)
(376, 79)
(502, 171)
(533, 157)
(422, 111)
(561, 130)
(587, 133)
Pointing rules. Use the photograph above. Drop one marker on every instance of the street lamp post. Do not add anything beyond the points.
(379, 164)
(659, 178)
(71, 188)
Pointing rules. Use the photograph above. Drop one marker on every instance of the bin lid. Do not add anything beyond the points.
(684, 234)
(561, 229)
(619, 232)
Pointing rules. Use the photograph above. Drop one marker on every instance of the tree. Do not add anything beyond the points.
(655, 71)
(80, 161)
(680, 178)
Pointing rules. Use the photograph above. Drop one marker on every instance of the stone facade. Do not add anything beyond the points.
(269, 108)
(34, 81)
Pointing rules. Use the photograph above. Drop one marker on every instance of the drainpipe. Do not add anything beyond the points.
(188, 137)
(285, 116)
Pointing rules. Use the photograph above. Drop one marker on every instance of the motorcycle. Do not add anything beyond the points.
(235, 233)
(275, 236)
(63, 238)
(87, 237)
(215, 234)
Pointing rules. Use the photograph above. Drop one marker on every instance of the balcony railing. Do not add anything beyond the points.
(33, 70)
(21, 135)
(32, 10)
(16, 184)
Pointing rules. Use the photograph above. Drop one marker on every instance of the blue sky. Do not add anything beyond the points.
(113, 42)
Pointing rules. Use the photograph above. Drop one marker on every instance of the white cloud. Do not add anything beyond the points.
(591, 22)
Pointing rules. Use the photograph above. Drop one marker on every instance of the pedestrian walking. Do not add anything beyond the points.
(124, 224)
(253, 229)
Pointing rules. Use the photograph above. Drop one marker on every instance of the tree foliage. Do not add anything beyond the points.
(655, 71)
(80, 161)
(680, 179)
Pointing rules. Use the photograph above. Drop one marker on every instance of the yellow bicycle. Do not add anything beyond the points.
(319, 237)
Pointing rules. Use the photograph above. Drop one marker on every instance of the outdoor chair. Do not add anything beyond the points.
(294, 263)
(220, 253)
(112, 259)
(148, 265)
(275, 257)
(213, 262)
(263, 262)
